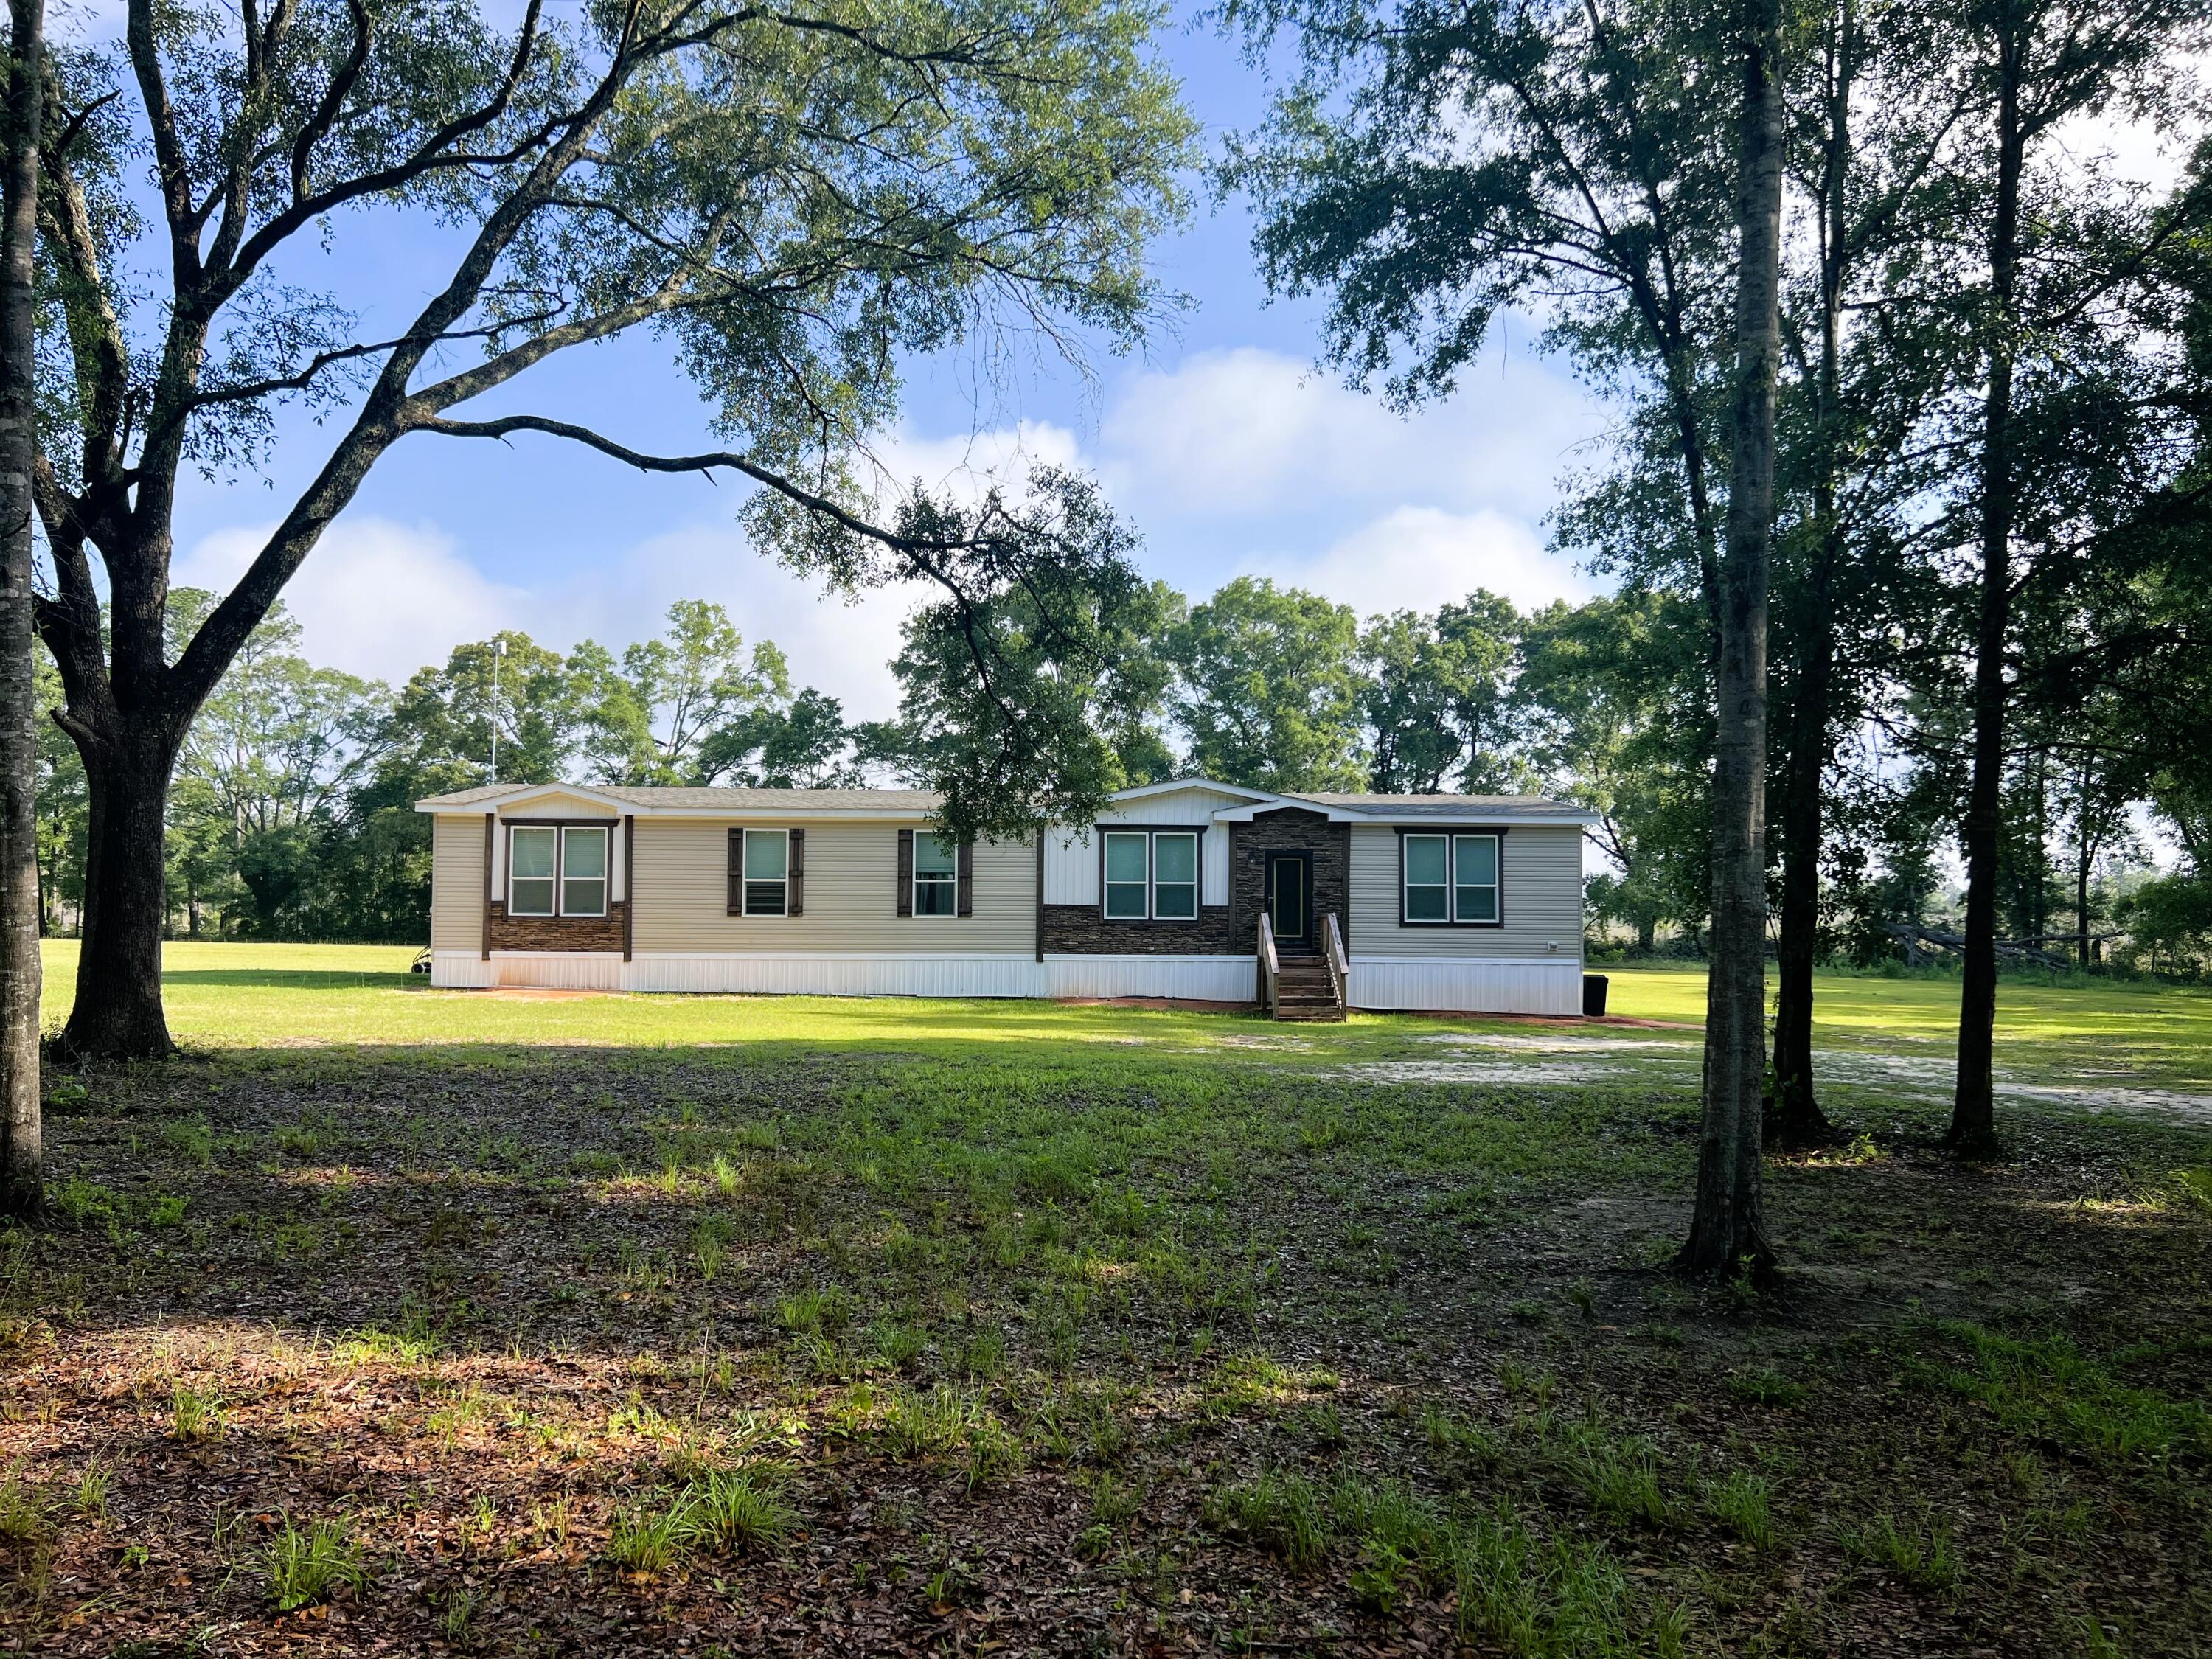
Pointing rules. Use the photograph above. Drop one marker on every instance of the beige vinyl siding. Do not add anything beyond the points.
(681, 890)
(1542, 879)
(457, 882)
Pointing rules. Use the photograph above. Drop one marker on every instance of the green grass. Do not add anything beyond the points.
(700, 1312)
(2087, 1035)
(2142, 1032)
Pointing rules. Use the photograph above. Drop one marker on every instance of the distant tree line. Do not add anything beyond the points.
(292, 816)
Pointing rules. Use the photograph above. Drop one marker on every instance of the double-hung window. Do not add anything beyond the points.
(767, 873)
(567, 863)
(1127, 873)
(936, 876)
(1474, 878)
(533, 853)
(1450, 879)
(1175, 876)
(1151, 875)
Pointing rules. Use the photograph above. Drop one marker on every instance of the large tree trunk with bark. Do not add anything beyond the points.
(1973, 1108)
(1794, 1117)
(1728, 1229)
(22, 1177)
(118, 975)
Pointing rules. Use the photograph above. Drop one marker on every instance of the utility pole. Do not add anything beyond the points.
(498, 650)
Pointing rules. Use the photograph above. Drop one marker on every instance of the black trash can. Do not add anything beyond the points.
(1593, 993)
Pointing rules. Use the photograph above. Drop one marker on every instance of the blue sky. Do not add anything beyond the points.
(1221, 443)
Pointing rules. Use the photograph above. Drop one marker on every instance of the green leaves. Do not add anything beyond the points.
(1028, 689)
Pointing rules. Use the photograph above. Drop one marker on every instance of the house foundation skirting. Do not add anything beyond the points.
(1492, 986)
(1546, 985)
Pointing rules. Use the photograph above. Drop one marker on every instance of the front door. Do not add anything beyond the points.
(1290, 897)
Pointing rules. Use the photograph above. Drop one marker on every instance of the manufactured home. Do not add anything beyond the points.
(1191, 890)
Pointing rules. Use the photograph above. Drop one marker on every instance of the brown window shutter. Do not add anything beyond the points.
(737, 907)
(966, 903)
(906, 873)
(796, 870)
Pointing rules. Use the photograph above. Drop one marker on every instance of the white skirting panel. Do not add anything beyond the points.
(460, 970)
(1190, 979)
(1445, 985)
(855, 975)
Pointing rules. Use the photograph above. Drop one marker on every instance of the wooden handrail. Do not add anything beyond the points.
(1339, 965)
(1270, 966)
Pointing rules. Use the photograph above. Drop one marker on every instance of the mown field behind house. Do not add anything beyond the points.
(490, 1323)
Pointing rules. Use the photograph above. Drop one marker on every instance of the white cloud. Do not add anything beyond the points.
(1417, 558)
(375, 597)
(966, 465)
(1232, 433)
(380, 598)
(839, 647)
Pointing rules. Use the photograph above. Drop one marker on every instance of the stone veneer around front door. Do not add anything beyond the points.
(1288, 828)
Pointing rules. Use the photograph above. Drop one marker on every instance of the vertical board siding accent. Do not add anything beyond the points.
(1071, 874)
(630, 909)
(794, 875)
(1541, 891)
(903, 905)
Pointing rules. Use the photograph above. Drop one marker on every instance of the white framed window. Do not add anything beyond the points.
(1175, 876)
(533, 859)
(767, 873)
(1128, 870)
(1474, 878)
(936, 876)
(1150, 875)
(583, 870)
(1427, 872)
(1450, 879)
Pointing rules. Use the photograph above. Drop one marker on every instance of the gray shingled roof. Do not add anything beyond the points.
(734, 801)
(923, 801)
(1450, 806)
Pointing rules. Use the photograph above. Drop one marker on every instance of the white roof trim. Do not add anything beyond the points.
(523, 792)
(1142, 791)
(1275, 803)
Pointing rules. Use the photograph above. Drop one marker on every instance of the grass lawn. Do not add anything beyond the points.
(427, 1321)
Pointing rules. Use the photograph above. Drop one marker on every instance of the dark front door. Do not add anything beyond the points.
(1290, 899)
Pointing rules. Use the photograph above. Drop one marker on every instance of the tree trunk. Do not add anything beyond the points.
(1647, 935)
(118, 1014)
(1973, 1108)
(22, 1165)
(1794, 1117)
(1728, 1229)
(2086, 857)
(1793, 1113)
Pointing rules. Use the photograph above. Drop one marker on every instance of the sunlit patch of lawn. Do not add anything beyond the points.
(2139, 1032)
